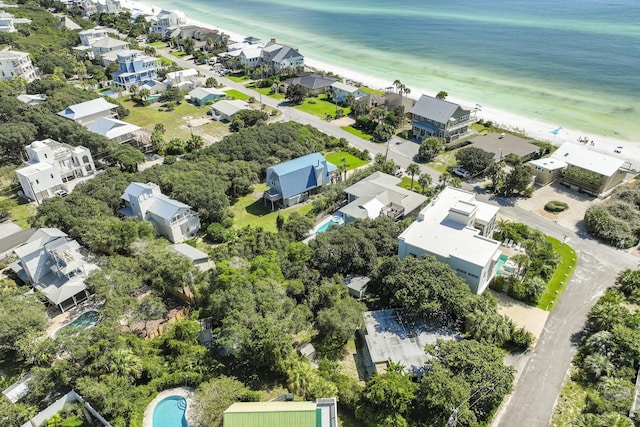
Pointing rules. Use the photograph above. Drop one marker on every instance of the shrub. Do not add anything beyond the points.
(498, 283)
(453, 145)
(556, 206)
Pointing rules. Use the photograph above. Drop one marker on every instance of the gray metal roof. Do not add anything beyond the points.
(435, 109)
(84, 109)
(189, 251)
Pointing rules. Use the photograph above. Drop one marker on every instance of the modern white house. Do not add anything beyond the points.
(379, 195)
(52, 264)
(227, 109)
(50, 165)
(251, 55)
(87, 112)
(88, 37)
(439, 118)
(15, 64)
(166, 20)
(6, 22)
(179, 78)
(341, 91)
(114, 129)
(136, 68)
(456, 229)
(34, 99)
(170, 218)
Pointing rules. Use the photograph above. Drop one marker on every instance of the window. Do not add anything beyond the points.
(51, 176)
(37, 181)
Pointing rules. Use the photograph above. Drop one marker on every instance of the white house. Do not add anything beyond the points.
(32, 99)
(108, 44)
(52, 264)
(226, 109)
(186, 77)
(251, 55)
(168, 19)
(203, 95)
(279, 56)
(456, 228)
(50, 165)
(88, 37)
(114, 129)
(6, 22)
(341, 91)
(86, 112)
(14, 64)
(170, 218)
(196, 256)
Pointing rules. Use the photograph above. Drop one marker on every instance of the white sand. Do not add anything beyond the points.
(531, 127)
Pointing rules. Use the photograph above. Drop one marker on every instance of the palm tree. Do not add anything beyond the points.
(397, 83)
(406, 91)
(300, 376)
(412, 170)
(424, 180)
(597, 366)
(444, 178)
(522, 262)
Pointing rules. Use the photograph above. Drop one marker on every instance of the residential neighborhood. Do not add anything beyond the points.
(200, 231)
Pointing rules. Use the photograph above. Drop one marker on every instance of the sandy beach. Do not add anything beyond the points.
(555, 133)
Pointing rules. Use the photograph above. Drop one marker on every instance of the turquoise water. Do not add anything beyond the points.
(503, 258)
(571, 63)
(152, 97)
(84, 321)
(324, 227)
(170, 412)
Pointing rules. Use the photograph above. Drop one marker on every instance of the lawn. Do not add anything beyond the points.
(166, 62)
(571, 402)
(406, 183)
(175, 122)
(357, 132)
(373, 91)
(560, 278)
(238, 77)
(265, 91)
(236, 94)
(178, 53)
(444, 161)
(158, 44)
(320, 107)
(250, 210)
(351, 161)
(20, 211)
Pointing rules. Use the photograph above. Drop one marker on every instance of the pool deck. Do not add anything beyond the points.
(186, 392)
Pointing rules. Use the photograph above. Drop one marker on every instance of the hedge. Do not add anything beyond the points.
(556, 206)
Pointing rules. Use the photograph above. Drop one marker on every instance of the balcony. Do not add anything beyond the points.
(392, 210)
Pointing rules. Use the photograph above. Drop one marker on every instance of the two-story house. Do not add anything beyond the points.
(50, 164)
(166, 20)
(279, 56)
(170, 218)
(87, 37)
(105, 45)
(437, 117)
(6, 22)
(341, 92)
(86, 112)
(15, 64)
(52, 264)
(136, 69)
(456, 229)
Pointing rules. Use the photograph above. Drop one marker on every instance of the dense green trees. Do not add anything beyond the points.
(296, 94)
(20, 315)
(430, 148)
(474, 160)
(616, 221)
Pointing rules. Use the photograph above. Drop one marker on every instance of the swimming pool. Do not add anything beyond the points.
(151, 98)
(333, 220)
(503, 258)
(171, 412)
(86, 320)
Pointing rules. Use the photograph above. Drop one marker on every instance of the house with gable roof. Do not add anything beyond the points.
(226, 109)
(170, 218)
(437, 117)
(107, 44)
(166, 20)
(114, 129)
(314, 83)
(203, 95)
(86, 112)
(456, 229)
(136, 68)
(279, 56)
(291, 182)
(52, 264)
(341, 91)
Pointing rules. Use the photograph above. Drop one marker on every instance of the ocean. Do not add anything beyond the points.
(571, 63)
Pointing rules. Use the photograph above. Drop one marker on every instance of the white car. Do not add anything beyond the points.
(61, 193)
(462, 173)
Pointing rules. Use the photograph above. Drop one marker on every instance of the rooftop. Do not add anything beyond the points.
(189, 251)
(345, 87)
(435, 109)
(112, 128)
(84, 109)
(579, 156)
(504, 144)
(230, 107)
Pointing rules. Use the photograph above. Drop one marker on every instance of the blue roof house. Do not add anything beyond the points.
(135, 69)
(292, 181)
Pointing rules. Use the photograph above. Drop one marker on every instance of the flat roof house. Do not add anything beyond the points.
(182, 78)
(170, 218)
(52, 264)
(290, 182)
(321, 413)
(581, 169)
(379, 195)
(437, 117)
(6, 22)
(456, 228)
(86, 112)
(50, 164)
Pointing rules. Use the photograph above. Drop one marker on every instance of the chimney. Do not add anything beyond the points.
(273, 39)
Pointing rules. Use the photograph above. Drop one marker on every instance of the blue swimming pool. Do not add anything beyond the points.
(171, 412)
(334, 220)
(503, 258)
(86, 320)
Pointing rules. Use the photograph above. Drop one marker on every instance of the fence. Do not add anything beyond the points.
(163, 327)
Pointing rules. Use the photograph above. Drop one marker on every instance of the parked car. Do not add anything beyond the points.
(462, 173)
(61, 193)
(399, 172)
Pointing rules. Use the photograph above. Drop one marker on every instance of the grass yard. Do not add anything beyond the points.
(236, 94)
(158, 44)
(178, 53)
(21, 212)
(357, 132)
(238, 77)
(406, 183)
(175, 122)
(562, 275)
(320, 107)
(166, 62)
(250, 210)
(571, 402)
(444, 161)
(351, 161)
(373, 91)
(265, 91)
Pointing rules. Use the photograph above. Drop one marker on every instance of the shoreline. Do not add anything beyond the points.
(556, 134)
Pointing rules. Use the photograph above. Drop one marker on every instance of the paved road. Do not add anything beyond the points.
(539, 385)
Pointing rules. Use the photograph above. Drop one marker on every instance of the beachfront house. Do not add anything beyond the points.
(321, 413)
(167, 20)
(278, 56)
(86, 112)
(437, 117)
(170, 218)
(456, 229)
(340, 92)
(115, 130)
(581, 169)
(291, 182)
(379, 195)
(15, 64)
(313, 83)
(136, 69)
(52, 264)
(251, 56)
(507, 146)
(203, 95)
(50, 165)
(225, 110)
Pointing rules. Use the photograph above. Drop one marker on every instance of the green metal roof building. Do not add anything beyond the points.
(273, 414)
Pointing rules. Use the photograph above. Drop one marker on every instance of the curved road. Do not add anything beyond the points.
(538, 386)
